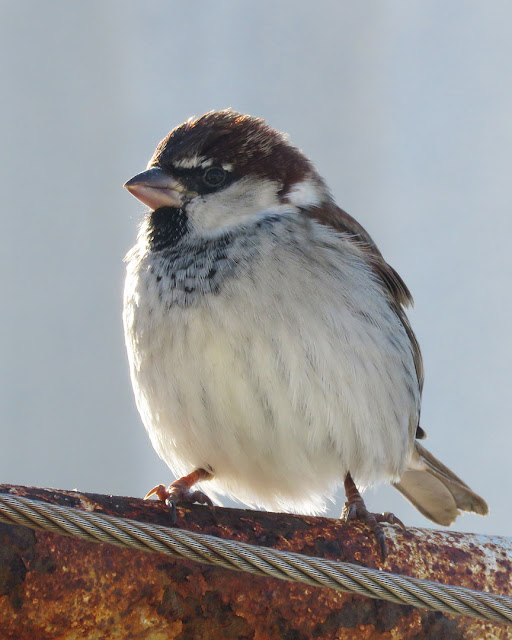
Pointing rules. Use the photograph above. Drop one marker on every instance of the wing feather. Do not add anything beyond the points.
(399, 296)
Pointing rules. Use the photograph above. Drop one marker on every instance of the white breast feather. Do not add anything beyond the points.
(295, 373)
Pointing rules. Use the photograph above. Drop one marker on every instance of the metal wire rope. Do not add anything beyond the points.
(263, 561)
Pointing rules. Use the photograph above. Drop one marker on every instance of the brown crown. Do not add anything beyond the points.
(245, 142)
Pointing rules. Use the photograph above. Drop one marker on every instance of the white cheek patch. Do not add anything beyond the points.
(233, 205)
(305, 194)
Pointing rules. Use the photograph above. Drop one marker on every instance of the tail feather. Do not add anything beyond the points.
(436, 491)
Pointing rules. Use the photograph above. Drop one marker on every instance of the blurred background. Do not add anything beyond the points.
(405, 108)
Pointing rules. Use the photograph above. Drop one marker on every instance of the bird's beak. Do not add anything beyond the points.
(157, 189)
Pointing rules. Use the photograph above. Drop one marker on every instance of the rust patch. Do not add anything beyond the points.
(16, 548)
(57, 588)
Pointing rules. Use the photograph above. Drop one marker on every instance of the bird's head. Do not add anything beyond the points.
(223, 168)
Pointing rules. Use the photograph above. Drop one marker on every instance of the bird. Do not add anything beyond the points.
(269, 348)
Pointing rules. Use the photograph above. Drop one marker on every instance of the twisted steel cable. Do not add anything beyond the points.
(263, 561)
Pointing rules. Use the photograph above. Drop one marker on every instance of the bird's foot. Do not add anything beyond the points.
(180, 492)
(355, 509)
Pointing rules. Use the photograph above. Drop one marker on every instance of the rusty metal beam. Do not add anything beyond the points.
(57, 587)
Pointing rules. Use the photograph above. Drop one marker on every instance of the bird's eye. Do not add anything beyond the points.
(214, 176)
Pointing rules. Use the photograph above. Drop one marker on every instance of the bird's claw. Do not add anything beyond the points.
(177, 493)
(159, 491)
(390, 518)
(357, 511)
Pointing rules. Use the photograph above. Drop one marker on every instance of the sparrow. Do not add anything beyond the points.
(269, 349)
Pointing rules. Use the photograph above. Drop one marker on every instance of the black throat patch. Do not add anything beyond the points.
(166, 227)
